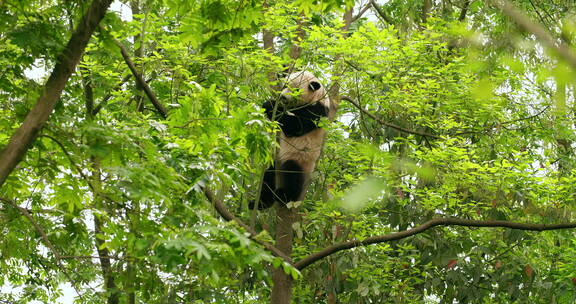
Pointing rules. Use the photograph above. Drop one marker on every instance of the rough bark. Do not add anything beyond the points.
(282, 288)
(40, 112)
(295, 49)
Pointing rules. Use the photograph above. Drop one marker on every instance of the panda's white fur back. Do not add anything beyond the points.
(304, 149)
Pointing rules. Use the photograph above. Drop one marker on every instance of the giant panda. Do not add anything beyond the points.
(298, 109)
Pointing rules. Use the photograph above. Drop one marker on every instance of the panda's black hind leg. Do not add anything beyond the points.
(267, 195)
(291, 180)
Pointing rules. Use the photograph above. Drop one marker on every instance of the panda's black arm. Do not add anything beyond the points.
(302, 120)
(311, 112)
(269, 109)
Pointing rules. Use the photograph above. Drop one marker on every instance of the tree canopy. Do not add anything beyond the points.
(132, 140)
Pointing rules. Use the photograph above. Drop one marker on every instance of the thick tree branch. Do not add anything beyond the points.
(361, 12)
(227, 215)
(464, 11)
(380, 12)
(303, 263)
(140, 80)
(88, 87)
(65, 65)
(387, 124)
(334, 91)
(563, 51)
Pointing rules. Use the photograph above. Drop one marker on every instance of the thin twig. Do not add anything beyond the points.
(537, 12)
(89, 257)
(48, 211)
(37, 227)
(109, 95)
(563, 51)
(200, 119)
(65, 151)
(497, 125)
(387, 124)
(45, 240)
(88, 182)
(303, 263)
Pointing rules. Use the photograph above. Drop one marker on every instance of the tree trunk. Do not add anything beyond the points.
(109, 283)
(426, 8)
(282, 282)
(282, 289)
(96, 181)
(295, 49)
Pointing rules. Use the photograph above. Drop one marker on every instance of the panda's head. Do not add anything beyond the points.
(302, 88)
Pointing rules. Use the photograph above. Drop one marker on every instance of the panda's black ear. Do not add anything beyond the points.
(314, 85)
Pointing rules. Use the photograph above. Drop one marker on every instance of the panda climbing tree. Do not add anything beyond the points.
(298, 110)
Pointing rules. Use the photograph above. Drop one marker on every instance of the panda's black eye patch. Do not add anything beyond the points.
(314, 85)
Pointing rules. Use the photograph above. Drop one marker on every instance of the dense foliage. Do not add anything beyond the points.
(447, 110)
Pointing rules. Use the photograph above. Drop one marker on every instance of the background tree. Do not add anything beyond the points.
(454, 139)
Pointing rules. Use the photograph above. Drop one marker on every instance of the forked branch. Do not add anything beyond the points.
(227, 215)
(380, 12)
(140, 80)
